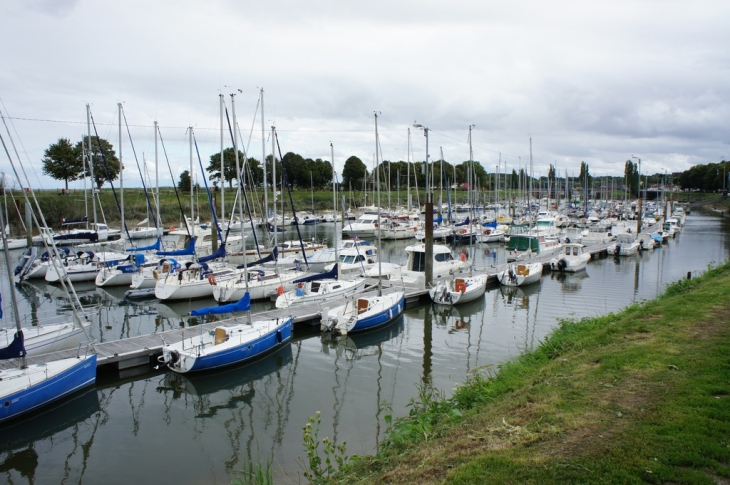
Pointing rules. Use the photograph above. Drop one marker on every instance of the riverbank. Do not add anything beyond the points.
(638, 396)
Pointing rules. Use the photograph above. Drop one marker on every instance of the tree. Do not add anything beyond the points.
(354, 172)
(60, 161)
(551, 180)
(229, 165)
(585, 178)
(631, 177)
(106, 167)
(184, 184)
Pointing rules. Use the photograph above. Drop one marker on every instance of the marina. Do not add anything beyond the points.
(222, 419)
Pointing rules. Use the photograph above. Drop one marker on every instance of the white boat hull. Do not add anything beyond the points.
(520, 274)
(459, 290)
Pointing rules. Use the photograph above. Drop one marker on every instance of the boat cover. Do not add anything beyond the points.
(190, 250)
(273, 256)
(157, 246)
(242, 305)
(220, 253)
(15, 350)
(319, 276)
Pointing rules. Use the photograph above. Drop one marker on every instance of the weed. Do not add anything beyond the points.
(317, 470)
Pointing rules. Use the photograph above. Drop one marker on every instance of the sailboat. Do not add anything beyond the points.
(29, 387)
(363, 312)
(233, 341)
(461, 289)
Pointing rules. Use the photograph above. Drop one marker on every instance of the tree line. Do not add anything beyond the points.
(69, 162)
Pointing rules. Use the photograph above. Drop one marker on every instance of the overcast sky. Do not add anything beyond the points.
(589, 81)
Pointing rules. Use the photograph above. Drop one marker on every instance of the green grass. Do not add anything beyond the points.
(640, 396)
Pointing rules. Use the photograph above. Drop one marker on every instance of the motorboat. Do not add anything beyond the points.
(625, 245)
(521, 274)
(459, 290)
(414, 271)
(522, 247)
(573, 258)
(365, 225)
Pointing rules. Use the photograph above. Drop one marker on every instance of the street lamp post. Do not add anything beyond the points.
(428, 243)
(638, 224)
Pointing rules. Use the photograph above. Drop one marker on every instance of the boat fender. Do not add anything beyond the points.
(461, 287)
(211, 279)
(280, 290)
(463, 257)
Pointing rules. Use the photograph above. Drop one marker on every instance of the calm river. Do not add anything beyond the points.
(156, 427)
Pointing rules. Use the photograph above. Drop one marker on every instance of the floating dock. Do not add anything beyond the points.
(142, 350)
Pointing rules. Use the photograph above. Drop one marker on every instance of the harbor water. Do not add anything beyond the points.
(153, 426)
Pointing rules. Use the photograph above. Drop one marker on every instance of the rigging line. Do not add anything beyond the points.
(108, 174)
(207, 190)
(172, 177)
(76, 307)
(291, 200)
(242, 190)
(25, 151)
(144, 186)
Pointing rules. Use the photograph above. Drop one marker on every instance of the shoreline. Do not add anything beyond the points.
(638, 395)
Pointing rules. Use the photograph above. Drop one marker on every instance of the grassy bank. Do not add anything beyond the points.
(642, 396)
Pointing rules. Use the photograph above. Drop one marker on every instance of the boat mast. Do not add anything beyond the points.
(223, 178)
(263, 161)
(240, 197)
(408, 177)
(273, 183)
(334, 202)
(157, 187)
(91, 165)
(121, 171)
(377, 177)
(192, 206)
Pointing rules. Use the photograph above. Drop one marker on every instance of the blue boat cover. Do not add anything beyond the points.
(273, 256)
(242, 305)
(464, 223)
(157, 246)
(15, 349)
(188, 251)
(220, 253)
(492, 224)
(319, 276)
(438, 220)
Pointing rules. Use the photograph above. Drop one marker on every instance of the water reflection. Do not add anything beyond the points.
(64, 429)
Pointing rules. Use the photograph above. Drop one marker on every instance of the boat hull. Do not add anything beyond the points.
(224, 354)
(514, 276)
(45, 383)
